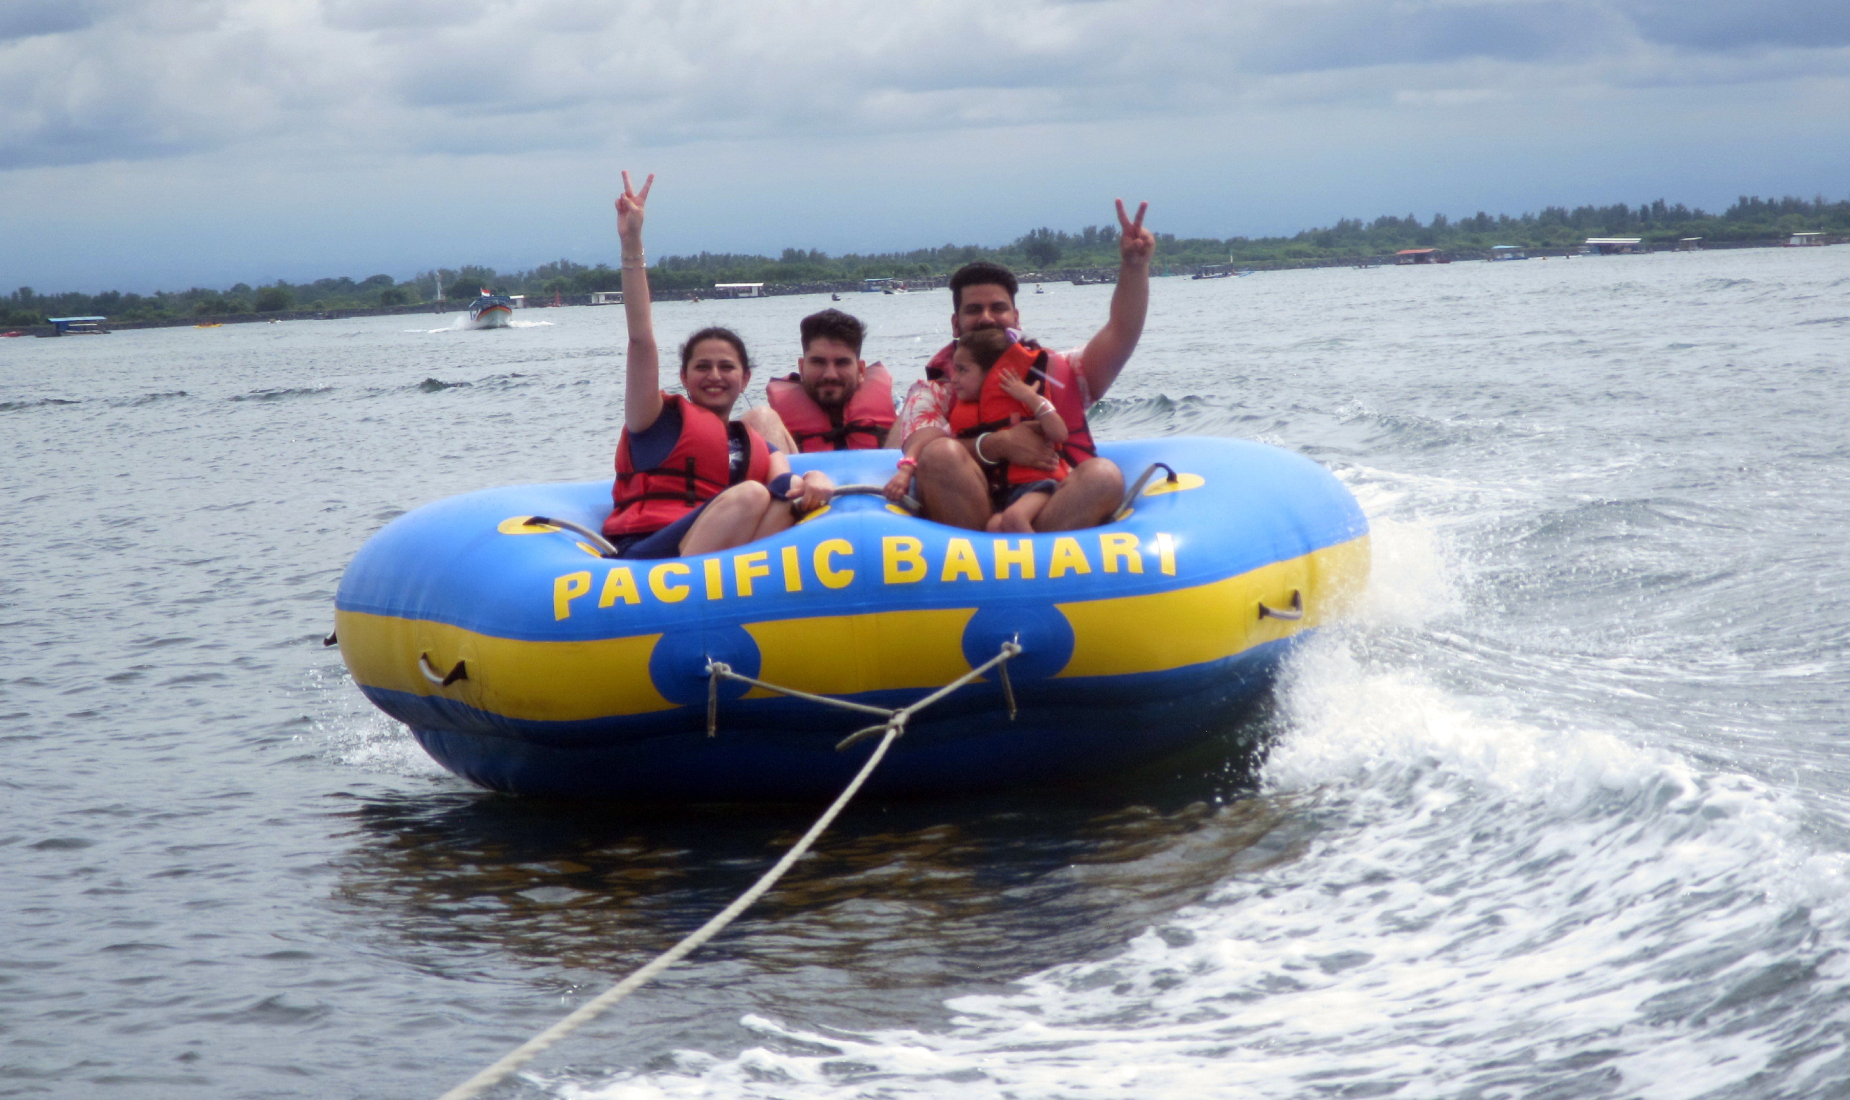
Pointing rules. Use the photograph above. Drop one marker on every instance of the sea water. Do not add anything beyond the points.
(1560, 813)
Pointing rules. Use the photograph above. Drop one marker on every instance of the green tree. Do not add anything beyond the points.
(1041, 247)
(274, 298)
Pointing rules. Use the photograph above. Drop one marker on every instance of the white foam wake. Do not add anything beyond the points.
(1477, 905)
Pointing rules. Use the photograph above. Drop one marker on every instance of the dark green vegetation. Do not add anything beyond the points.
(1042, 250)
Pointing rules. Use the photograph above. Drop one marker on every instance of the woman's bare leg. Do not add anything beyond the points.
(731, 519)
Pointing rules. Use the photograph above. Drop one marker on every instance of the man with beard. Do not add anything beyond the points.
(950, 472)
(835, 401)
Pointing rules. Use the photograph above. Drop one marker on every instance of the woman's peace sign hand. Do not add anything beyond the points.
(1135, 243)
(629, 208)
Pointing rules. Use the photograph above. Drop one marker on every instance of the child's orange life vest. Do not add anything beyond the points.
(994, 410)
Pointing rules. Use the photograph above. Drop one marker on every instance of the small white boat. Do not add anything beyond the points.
(491, 311)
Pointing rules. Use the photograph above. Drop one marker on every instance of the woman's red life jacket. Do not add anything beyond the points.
(698, 469)
(859, 425)
(994, 410)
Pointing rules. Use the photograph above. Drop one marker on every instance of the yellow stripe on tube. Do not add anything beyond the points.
(1210, 622)
(533, 681)
(847, 654)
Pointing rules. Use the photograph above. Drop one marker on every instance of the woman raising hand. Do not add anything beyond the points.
(690, 480)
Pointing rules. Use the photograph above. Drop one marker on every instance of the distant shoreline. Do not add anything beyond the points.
(932, 282)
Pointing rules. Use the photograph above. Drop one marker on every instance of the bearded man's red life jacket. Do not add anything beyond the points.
(698, 469)
(860, 424)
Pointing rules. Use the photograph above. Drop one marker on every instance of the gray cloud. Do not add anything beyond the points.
(31, 18)
(135, 79)
(1727, 25)
(1360, 34)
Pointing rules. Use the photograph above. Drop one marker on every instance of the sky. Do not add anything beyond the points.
(161, 144)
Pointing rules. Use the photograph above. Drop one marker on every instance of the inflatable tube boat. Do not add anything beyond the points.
(525, 661)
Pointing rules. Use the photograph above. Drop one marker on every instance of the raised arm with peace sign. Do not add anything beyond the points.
(642, 390)
(1106, 353)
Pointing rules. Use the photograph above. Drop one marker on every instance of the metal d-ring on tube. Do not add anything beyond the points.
(1137, 487)
(441, 679)
(1008, 688)
(1295, 613)
(604, 548)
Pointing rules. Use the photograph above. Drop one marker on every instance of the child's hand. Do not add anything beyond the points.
(1020, 391)
(897, 485)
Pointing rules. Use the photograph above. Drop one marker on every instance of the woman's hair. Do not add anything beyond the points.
(715, 332)
(986, 345)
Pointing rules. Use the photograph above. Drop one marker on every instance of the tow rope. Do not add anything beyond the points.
(893, 725)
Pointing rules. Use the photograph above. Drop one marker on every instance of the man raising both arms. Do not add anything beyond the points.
(835, 401)
(951, 481)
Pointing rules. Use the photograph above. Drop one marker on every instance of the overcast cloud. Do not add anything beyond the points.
(154, 142)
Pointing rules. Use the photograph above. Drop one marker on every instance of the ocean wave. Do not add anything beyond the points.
(282, 394)
(154, 398)
(43, 402)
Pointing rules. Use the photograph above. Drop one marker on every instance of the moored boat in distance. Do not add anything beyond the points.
(1421, 256)
(1507, 252)
(491, 311)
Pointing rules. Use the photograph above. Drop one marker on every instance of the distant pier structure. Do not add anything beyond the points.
(77, 326)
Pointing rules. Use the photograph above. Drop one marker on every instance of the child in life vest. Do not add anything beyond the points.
(990, 374)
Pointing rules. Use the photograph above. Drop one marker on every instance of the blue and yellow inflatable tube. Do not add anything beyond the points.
(587, 677)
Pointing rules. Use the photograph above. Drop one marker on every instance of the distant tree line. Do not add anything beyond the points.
(1041, 250)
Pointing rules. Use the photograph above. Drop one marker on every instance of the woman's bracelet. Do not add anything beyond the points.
(907, 462)
(638, 260)
(980, 456)
(1044, 408)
